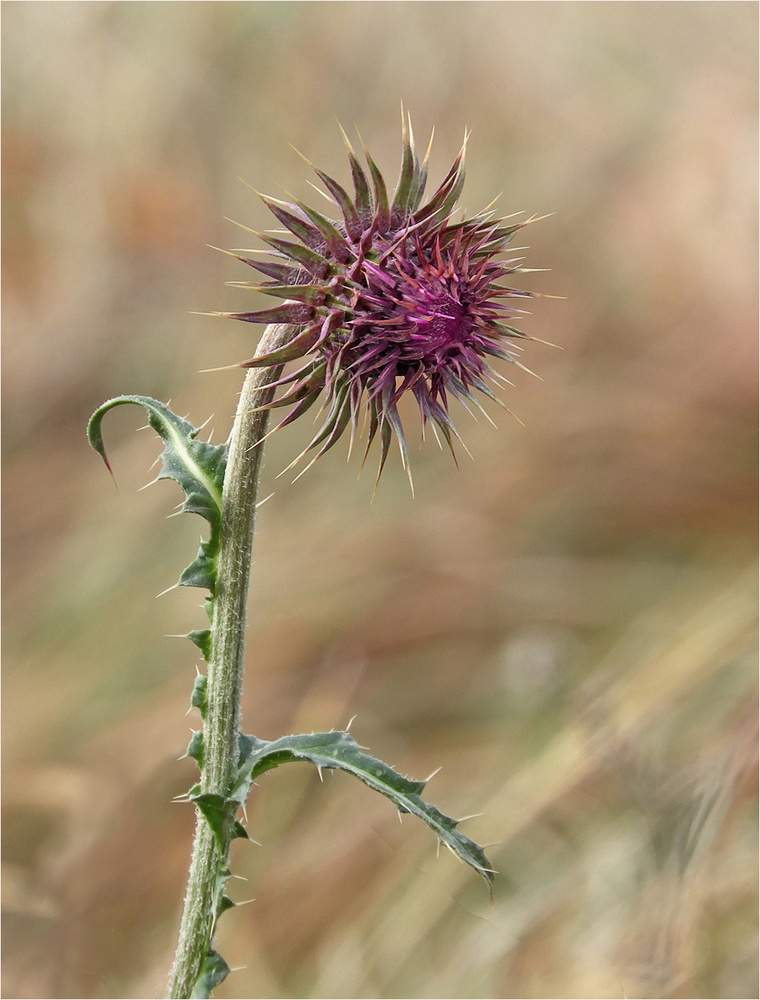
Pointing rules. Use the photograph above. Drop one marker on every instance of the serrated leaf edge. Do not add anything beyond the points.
(178, 435)
(258, 756)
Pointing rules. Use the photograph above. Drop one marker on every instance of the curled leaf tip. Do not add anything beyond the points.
(197, 466)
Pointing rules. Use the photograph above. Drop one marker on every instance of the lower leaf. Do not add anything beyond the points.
(213, 971)
(339, 750)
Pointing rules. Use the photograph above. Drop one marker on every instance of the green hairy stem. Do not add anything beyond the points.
(225, 669)
(220, 482)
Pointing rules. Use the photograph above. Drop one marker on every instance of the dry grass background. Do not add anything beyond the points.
(567, 625)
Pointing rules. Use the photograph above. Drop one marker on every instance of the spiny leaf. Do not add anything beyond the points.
(341, 751)
(213, 972)
(195, 748)
(225, 904)
(198, 699)
(197, 466)
(218, 812)
(201, 637)
(238, 830)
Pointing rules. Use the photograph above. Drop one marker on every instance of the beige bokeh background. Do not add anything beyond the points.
(567, 624)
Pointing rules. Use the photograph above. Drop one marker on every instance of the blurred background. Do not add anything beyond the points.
(567, 625)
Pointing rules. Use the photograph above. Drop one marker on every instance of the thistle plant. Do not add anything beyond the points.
(395, 295)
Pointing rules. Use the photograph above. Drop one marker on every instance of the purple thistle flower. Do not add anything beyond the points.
(394, 297)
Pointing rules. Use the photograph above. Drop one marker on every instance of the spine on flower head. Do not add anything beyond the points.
(393, 296)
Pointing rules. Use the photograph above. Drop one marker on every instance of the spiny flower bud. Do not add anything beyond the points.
(395, 296)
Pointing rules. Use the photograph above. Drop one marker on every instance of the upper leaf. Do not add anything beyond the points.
(196, 465)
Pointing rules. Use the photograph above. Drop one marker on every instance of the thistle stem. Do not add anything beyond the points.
(225, 669)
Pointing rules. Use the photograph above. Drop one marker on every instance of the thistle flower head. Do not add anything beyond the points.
(394, 296)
